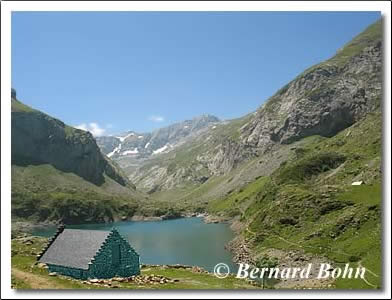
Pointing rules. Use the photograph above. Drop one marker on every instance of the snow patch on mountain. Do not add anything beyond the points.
(162, 149)
(116, 150)
(123, 138)
(133, 151)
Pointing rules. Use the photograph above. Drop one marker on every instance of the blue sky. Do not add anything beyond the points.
(115, 71)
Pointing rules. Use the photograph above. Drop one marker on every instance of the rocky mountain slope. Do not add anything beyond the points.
(132, 144)
(58, 172)
(40, 139)
(322, 198)
(323, 100)
(309, 206)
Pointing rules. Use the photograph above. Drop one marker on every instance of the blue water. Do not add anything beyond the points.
(186, 241)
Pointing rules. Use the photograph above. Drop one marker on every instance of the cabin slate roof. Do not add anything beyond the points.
(74, 248)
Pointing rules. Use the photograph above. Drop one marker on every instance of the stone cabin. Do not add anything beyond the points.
(84, 254)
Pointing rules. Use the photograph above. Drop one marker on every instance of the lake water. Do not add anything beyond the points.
(186, 241)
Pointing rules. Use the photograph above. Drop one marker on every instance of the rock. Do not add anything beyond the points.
(119, 279)
(42, 266)
(53, 274)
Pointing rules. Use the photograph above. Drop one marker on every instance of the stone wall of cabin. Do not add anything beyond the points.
(102, 264)
(68, 271)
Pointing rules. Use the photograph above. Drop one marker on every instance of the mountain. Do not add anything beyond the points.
(300, 178)
(323, 100)
(40, 139)
(56, 168)
(323, 203)
(133, 151)
(162, 140)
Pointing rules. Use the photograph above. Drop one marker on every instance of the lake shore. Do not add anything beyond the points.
(28, 274)
(237, 246)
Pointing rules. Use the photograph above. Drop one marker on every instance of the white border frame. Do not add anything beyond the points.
(8, 7)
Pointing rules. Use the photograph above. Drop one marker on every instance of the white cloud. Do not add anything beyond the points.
(155, 118)
(94, 128)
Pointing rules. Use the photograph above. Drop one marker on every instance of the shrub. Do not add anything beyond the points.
(310, 166)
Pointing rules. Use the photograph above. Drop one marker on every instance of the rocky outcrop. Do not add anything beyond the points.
(227, 155)
(40, 139)
(323, 100)
(107, 143)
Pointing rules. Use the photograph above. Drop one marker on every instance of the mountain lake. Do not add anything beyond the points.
(187, 241)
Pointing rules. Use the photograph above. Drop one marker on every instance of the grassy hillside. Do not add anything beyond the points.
(59, 173)
(43, 193)
(308, 204)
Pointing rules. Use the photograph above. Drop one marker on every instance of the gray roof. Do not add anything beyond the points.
(74, 248)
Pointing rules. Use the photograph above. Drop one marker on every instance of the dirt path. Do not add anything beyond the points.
(36, 281)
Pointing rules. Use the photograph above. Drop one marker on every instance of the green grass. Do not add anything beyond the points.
(17, 283)
(23, 259)
(368, 195)
(369, 35)
(42, 193)
(17, 106)
(309, 204)
(309, 166)
(232, 204)
(190, 280)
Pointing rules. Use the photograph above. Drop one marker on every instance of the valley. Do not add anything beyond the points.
(281, 176)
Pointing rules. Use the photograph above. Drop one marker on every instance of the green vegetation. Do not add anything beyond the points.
(42, 193)
(266, 262)
(309, 166)
(51, 186)
(236, 202)
(18, 106)
(372, 33)
(200, 281)
(27, 275)
(308, 204)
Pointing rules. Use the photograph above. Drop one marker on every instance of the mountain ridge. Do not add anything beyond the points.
(156, 141)
(60, 174)
(323, 100)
